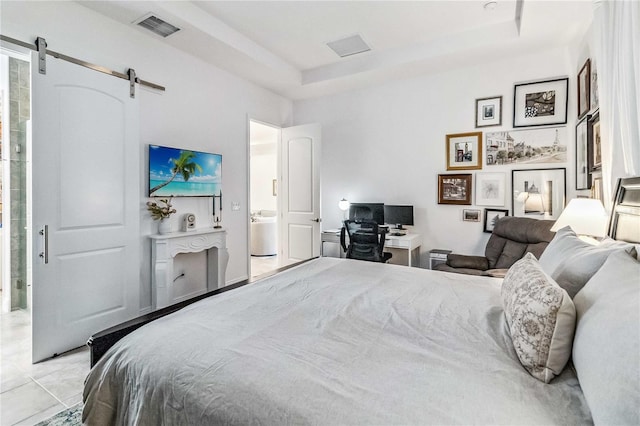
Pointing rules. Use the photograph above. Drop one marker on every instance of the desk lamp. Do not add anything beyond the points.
(587, 218)
(344, 206)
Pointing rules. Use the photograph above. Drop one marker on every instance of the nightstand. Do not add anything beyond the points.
(437, 256)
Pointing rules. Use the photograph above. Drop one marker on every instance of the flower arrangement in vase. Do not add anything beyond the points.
(161, 210)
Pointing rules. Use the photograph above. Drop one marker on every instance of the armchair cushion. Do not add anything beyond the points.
(513, 237)
(472, 262)
(468, 271)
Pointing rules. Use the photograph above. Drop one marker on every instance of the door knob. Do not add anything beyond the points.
(317, 219)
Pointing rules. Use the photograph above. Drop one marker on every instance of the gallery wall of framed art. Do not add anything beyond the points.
(536, 149)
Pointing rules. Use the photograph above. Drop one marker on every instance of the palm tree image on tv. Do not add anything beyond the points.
(184, 165)
(176, 172)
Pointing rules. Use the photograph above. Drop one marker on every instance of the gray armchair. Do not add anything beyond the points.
(511, 239)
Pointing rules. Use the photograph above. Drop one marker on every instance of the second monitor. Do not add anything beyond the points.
(398, 215)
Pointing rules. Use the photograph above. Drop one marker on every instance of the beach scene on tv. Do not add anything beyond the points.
(183, 173)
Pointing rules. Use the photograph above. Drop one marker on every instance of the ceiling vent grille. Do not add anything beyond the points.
(349, 46)
(157, 25)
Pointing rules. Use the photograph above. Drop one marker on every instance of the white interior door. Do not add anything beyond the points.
(300, 228)
(86, 185)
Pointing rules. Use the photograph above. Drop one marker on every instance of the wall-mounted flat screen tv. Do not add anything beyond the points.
(176, 172)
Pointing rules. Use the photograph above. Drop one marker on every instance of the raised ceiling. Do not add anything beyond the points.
(282, 45)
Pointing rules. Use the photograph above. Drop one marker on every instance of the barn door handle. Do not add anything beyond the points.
(44, 255)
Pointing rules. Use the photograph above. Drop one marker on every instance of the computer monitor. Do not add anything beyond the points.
(398, 215)
(367, 211)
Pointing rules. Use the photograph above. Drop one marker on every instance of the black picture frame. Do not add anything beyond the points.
(489, 111)
(584, 89)
(541, 103)
(490, 215)
(583, 164)
(538, 193)
(595, 143)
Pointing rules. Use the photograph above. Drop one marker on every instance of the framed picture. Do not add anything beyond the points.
(464, 151)
(469, 215)
(490, 189)
(583, 171)
(454, 189)
(526, 146)
(489, 111)
(584, 89)
(538, 193)
(595, 143)
(595, 101)
(596, 189)
(540, 103)
(491, 217)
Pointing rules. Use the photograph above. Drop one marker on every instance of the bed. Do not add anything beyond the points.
(340, 341)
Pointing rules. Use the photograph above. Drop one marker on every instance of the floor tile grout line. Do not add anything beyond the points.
(43, 410)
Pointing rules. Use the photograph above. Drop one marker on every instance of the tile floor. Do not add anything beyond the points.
(29, 392)
(263, 264)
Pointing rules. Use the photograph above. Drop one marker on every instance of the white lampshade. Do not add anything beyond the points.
(522, 197)
(586, 216)
(344, 205)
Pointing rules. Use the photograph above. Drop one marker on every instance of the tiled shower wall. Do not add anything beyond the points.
(19, 114)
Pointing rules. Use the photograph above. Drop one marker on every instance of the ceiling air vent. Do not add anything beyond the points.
(157, 25)
(349, 46)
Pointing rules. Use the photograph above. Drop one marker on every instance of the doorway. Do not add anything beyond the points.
(15, 120)
(264, 167)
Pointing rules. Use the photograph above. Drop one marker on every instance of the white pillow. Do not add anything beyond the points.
(541, 318)
(571, 262)
(606, 348)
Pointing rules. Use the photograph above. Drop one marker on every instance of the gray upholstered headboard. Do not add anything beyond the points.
(625, 216)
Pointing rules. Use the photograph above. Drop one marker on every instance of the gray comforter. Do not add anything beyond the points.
(333, 341)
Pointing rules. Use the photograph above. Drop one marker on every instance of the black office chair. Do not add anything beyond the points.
(366, 241)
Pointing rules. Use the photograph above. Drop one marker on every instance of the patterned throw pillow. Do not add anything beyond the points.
(541, 318)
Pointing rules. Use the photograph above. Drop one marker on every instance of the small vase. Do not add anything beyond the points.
(164, 227)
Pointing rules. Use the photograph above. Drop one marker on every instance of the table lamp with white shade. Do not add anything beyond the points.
(586, 216)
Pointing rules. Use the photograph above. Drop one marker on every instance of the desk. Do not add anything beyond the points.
(405, 248)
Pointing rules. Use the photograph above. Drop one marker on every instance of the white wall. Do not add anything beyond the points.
(264, 169)
(204, 108)
(387, 143)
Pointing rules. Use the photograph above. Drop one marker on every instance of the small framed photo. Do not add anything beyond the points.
(489, 111)
(490, 189)
(540, 103)
(491, 217)
(469, 215)
(583, 171)
(584, 89)
(538, 193)
(464, 151)
(454, 189)
(595, 143)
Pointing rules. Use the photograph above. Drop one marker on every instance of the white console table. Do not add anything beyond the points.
(165, 247)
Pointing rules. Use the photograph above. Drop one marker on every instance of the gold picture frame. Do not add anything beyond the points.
(464, 151)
